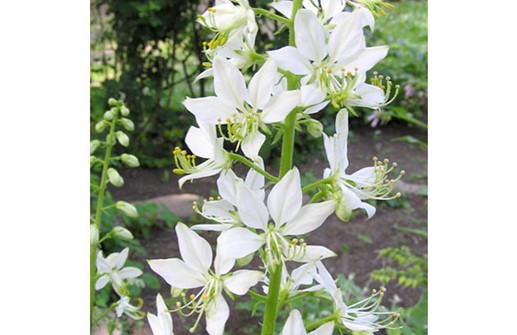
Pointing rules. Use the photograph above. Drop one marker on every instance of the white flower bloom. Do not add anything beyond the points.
(328, 9)
(123, 306)
(367, 183)
(193, 271)
(161, 323)
(337, 66)
(284, 206)
(294, 326)
(204, 143)
(111, 269)
(366, 315)
(244, 109)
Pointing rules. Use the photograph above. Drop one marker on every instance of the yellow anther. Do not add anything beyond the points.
(211, 199)
(204, 297)
(192, 296)
(294, 241)
(183, 294)
(178, 304)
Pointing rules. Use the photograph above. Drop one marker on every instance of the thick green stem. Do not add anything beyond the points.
(251, 165)
(270, 314)
(98, 214)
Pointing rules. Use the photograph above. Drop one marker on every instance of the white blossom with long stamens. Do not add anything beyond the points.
(161, 323)
(111, 269)
(194, 271)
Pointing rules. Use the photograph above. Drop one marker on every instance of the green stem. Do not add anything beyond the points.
(98, 214)
(264, 12)
(334, 317)
(411, 120)
(104, 314)
(316, 184)
(249, 164)
(257, 295)
(270, 314)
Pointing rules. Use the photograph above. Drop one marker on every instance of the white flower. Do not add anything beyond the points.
(290, 218)
(328, 9)
(193, 271)
(338, 66)
(367, 183)
(360, 316)
(294, 326)
(204, 143)
(244, 110)
(111, 270)
(161, 323)
(123, 306)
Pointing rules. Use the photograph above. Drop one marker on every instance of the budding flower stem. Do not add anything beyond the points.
(98, 214)
(273, 16)
(270, 314)
(249, 164)
(320, 322)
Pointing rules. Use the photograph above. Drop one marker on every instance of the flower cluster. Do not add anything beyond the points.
(262, 218)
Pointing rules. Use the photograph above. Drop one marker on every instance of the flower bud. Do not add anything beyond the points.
(127, 209)
(112, 101)
(109, 115)
(127, 124)
(343, 212)
(115, 178)
(94, 145)
(122, 233)
(315, 128)
(94, 234)
(122, 138)
(130, 160)
(124, 111)
(100, 126)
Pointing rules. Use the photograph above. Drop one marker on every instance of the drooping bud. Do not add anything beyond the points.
(93, 160)
(130, 160)
(109, 115)
(122, 233)
(94, 234)
(314, 127)
(100, 126)
(115, 178)
(127, 209)
(122, 138)
(112, 102)
(94, 145)
(124, 111)
(127, 124)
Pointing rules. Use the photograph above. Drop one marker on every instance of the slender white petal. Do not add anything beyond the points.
(201, 174)
(260, 86)
(241, 281)
(284, 7)
(212, 227)
(294, 324)
(310, 36)
(285, 199)
(238, 242)
(176, 273)
(129, 272)
(290, 59)
(280, 105)
(346, 38)
(363, 177)
(311, 95)
(227, 186)
(219, 210)
(195, 250)
(229, 83)
(210, 109)
(255, 181)
(119, 258)
(313, 253)
(199, 142)
(251, 208)
(352, 201)
(251, 145)
(325, 329)
(365, 59)
(101, 282)
(371, 96)
(216, 316)
(309, 218)
(161, 323)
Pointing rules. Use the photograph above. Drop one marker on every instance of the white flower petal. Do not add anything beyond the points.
(227, 186)
(309, 218)
(251, 145)
(209, 109)
(365, 59)
(255, 181)
(311, 95)
(199, 142)
(260, 86)
(212, 227)
(325, 329)
(200, 174)
(238, 242)
(195, 250)
(294, 324)
(129, 272)
(216, 316)
(285, 199)
(161, 323)
(251, 208)
(290, 59)
(284, 7)
(371, 96)
(310, 36)
(241, 281)
(229, 83)
(101, 282)
(312, 253)
(346, 39)
(280, 106)
(176, 273)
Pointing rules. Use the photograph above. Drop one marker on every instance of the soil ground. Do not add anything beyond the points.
(356, 242)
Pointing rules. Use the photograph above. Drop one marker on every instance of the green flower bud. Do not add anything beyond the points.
(245, 260)
(122, 138)
(115, 178)
(94, 234)
(112, 102)
(127, 209)
(130, 160)
(122, 233)
(124, 110)
(127, 124)
(315, 128)
(100, 126)
(109, 115)
(94, 145)
(343, 212)
(93, 160)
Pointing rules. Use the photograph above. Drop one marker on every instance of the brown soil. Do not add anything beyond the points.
(363, 238)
